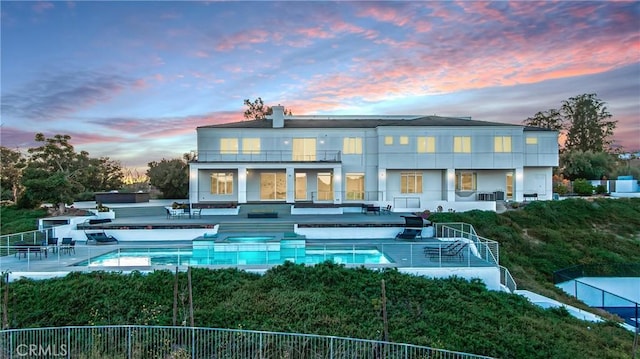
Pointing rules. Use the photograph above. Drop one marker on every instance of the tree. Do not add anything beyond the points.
(256, 110)
(171, 177)
(551, 119)
(588, 123)
(12, 164)
(586, 164)
(56, 173)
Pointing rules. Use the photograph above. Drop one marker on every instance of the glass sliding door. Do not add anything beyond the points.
(273, 186)
(509, 186)
(301, 186)
(355, 186)
(325, 186)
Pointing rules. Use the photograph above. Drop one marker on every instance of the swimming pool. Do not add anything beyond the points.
(238, 256)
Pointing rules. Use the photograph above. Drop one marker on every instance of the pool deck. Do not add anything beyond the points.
(402, 253)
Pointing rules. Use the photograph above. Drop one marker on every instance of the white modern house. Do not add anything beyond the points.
(408, 162)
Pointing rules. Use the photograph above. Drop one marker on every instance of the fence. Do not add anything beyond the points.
(487, 249)
(8, 241)
(129, 341)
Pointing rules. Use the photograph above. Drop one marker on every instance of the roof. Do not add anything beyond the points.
(368, 122)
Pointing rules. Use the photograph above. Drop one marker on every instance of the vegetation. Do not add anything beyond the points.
(256, 110)
(326, 299)
(171, 177)
(545, 236)
(16, 220)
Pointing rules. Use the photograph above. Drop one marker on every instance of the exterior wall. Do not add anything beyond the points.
(531, 164)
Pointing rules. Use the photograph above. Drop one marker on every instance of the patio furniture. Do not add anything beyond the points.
(435, 251)
(65, 246)
(408, 233)
(386, 210)
(369, 208)
(195, 212)
(53, 243)
(174, 212)
(451, 251)
(100, 238)
(24, 249)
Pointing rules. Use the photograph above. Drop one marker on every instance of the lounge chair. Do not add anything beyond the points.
(386, 210)
(409, 233)
(435, 251)
(450, 251)
(100, 238)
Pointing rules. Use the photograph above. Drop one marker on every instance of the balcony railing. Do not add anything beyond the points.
(137, 341)
(266, 156)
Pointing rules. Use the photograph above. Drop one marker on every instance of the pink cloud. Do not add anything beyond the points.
(387, 14)
(242, 39)
(315, 32)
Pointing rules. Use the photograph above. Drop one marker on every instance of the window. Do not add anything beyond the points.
(355, 186)
(304, 149)
(228, 146)
(532, 140)
(325, 187)
(250, 145)
(273, 186)
(411, 182)
(426, 144)
(404, 140)
(352, 146)
(465, 181)
(221, 183)
(462, 144)
(502, 144)
(388, 140)
(301, 186)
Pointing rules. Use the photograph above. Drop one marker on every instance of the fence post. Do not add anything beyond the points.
(129, 342)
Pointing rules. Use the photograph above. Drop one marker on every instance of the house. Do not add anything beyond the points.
(408, 162)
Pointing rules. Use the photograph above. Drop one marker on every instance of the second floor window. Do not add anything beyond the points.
(462, 144)
(426, 144)
(502, 144)
(388, 140)
(531, 140)
(304, 149)
(250, 145)
(228, 146)
(352, 146)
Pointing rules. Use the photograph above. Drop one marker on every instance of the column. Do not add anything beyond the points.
(519, 185)
(450, 187)
(291, 185)
(382, 184)
(337, 185)
(242, 184)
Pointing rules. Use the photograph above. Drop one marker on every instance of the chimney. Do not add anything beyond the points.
(278, 116)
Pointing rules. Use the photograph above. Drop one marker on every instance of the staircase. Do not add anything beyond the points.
(266, 225)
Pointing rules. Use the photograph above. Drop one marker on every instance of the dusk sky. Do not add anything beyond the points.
(132, 80)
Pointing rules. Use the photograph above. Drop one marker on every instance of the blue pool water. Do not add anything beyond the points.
(251, 253)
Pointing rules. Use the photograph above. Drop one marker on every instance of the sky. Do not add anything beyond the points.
(131, 80)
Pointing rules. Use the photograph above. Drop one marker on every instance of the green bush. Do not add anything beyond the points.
(85, 196)
(560, 189)
(582, 187)
(600, 189)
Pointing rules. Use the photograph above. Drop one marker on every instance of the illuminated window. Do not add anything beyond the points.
(250, 145)
(304, 149)
(228, 146)
(465, 181)
(404, 140)
(388, 140)
(352, 146)
(355, 186)
(426, 144)
(532, 140)
(411, 182)
(301, 186)
(325, 186)
(273, 186)
(222, 183)
(502, 144)
(462, 144)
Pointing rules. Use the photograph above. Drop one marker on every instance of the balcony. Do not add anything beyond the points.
(265, 156)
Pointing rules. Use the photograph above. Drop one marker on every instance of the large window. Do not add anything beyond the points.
(301, 186)
(221, 183)
(426, 144)
(352, 146)
(355, 186)
(466, 181)
(411, 182)
(228, 146)
(273, 186)
(250, 145)
(304, 149)
(502, 144)
(462, 144)
(325, 186)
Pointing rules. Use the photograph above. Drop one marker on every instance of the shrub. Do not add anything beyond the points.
(560, 189)
(582, 187)
(600, 189)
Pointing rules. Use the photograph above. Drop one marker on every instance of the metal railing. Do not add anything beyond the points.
(7, 241)
(266, 156)
(488, 249)
(133, 341)
(507, 280)
(597, 270)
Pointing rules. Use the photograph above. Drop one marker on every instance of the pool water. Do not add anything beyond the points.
(236, 254)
